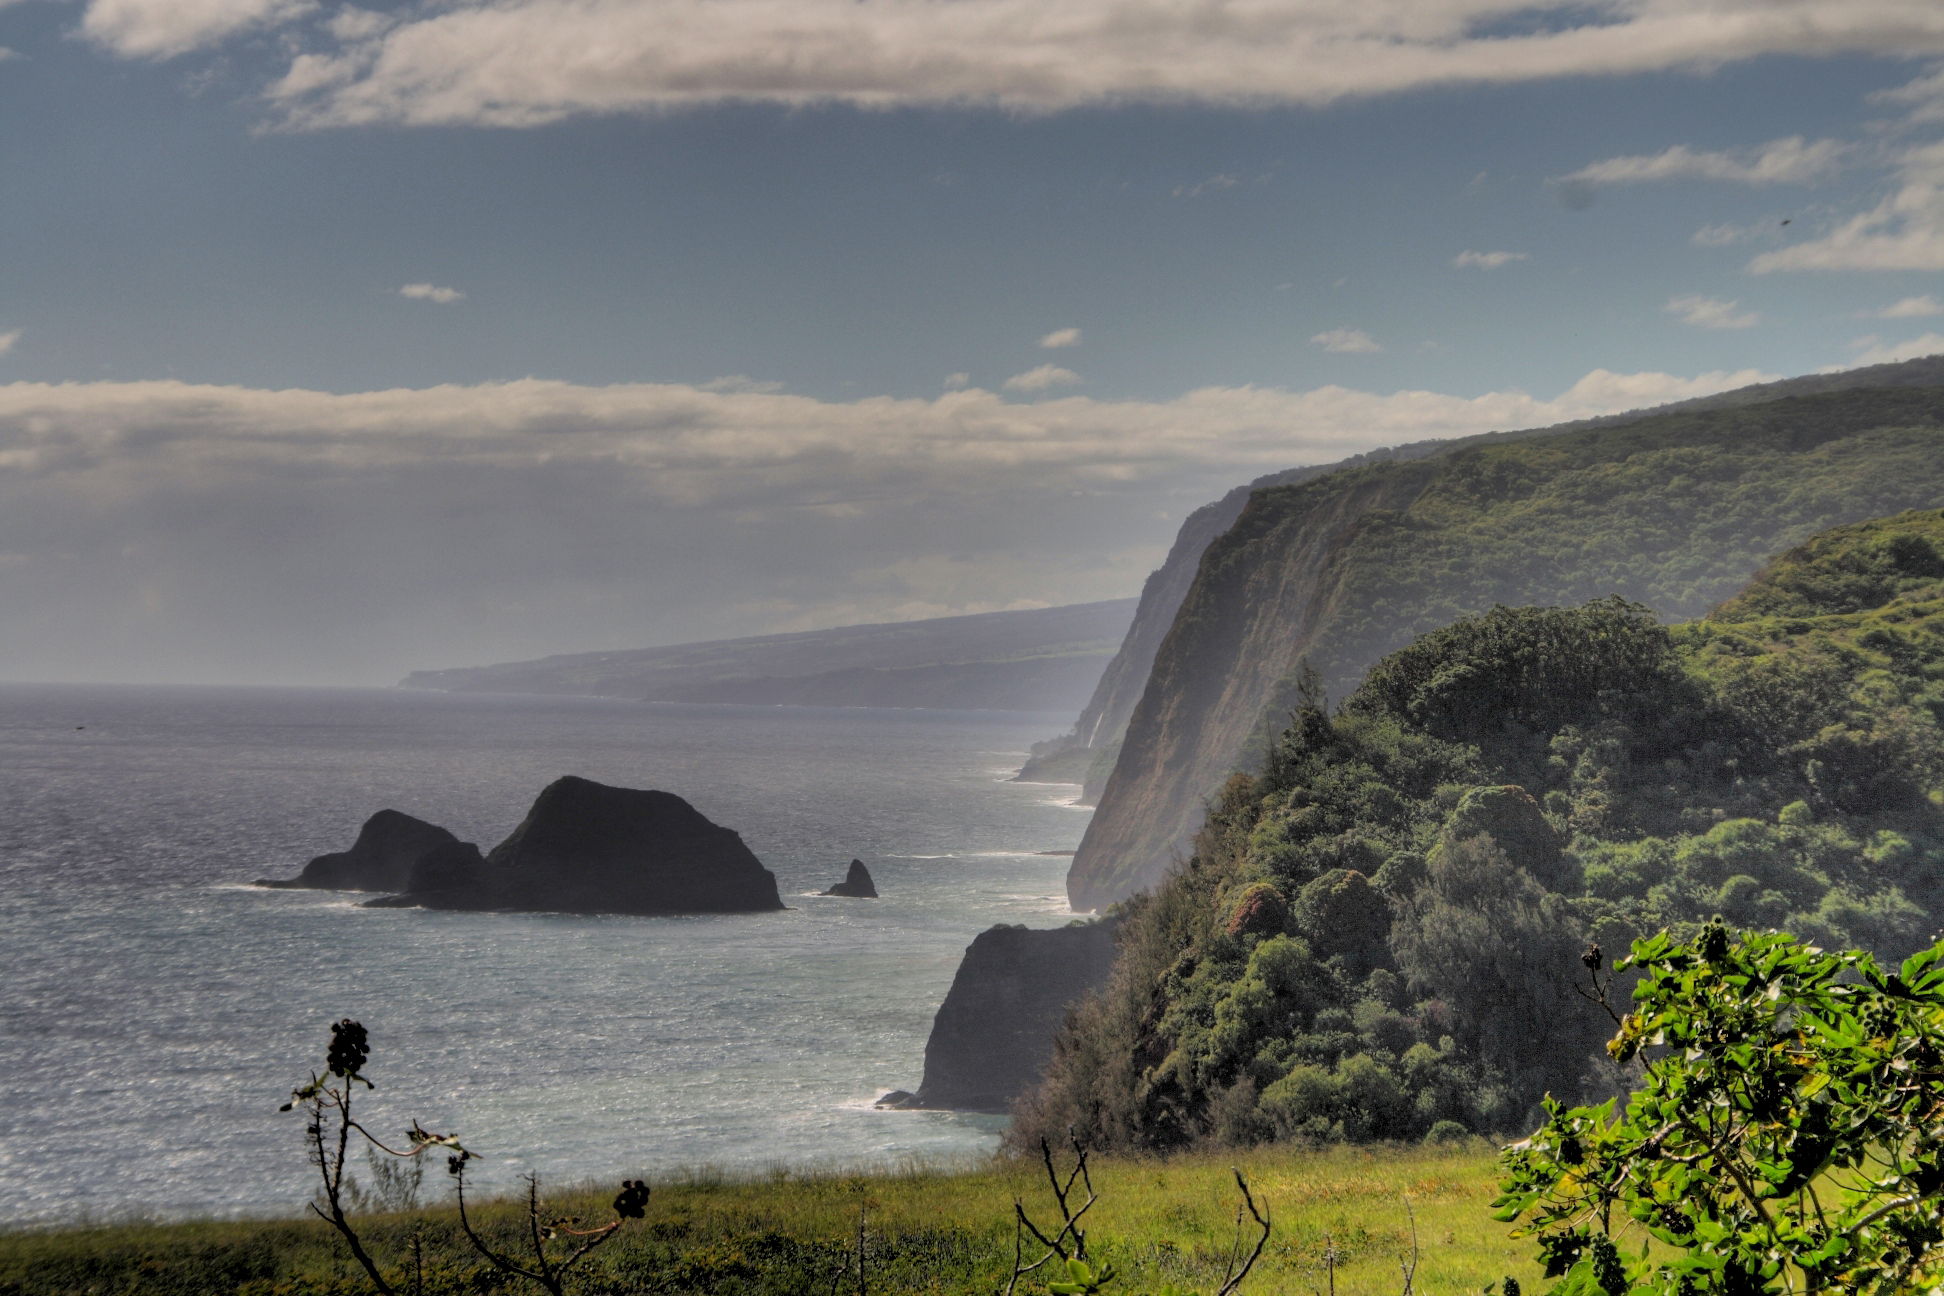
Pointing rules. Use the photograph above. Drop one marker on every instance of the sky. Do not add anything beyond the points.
(342, 341)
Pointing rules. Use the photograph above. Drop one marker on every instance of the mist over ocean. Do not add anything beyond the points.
(156, 1011)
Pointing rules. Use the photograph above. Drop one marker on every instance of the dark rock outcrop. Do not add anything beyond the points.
(585, 847)
(856, 884)
(390, 847)
(994, 1033)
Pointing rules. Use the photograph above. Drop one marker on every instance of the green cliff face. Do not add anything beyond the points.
(1088, 752)
(1384, 930)
(1673, 511)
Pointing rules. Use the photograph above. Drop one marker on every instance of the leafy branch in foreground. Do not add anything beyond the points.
(327, 1100)
(1785, 1137)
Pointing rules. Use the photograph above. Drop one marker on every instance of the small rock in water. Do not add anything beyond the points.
(895, 1099)
(856, 883)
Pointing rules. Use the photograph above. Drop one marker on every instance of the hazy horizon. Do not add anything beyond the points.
(338, 342)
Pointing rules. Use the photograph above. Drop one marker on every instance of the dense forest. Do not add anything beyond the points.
(1381, 935)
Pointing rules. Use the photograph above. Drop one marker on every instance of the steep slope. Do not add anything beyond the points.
(1375, 929)
(1673, 511)
(1037, 659)
(1087, 752)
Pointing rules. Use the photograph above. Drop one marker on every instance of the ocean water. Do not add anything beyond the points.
(155, 1009)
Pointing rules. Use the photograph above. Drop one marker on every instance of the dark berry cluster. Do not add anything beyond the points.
(350, 1049)
(633, 1199)
(1714, 942)
(1608, 1269)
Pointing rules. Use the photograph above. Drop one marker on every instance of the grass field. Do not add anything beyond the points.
(926, 1231)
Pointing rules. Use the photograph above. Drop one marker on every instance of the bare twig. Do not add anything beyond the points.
(1232, 1278)
(861, 1291)
(1069, 1241)
(1410, 1266)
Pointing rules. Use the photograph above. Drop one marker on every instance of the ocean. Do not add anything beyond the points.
(155, 1009)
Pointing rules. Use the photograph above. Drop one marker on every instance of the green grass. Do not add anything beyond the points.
(927, 1231)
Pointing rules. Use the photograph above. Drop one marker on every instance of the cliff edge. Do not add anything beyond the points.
(1674, 511)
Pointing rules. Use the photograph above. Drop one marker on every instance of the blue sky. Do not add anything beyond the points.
(339, 341)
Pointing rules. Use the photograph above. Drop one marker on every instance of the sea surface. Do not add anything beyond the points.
(155, 1009)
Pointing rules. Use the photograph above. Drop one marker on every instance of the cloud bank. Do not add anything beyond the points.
(1784, 161)
(169, 530)
(520, 63)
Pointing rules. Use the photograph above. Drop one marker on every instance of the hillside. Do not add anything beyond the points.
(1370, 930)
(1042, 659)
(1673, 511)
(1087, 752)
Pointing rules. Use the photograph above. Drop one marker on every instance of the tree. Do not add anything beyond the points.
(1783, 1139)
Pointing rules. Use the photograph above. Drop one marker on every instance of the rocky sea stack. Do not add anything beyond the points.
(994, 1033)
(390, 847)
(584, 847)
(857, 883)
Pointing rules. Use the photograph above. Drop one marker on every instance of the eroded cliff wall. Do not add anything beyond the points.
(1673, 510)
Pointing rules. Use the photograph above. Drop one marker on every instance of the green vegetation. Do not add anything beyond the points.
(926, 1231)
(1672, 511)
(1781, 1140)
(1379, 937)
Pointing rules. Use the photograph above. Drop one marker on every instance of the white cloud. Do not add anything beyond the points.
(1903, 232)
(1872, 350)
(431, 293)
(741, 383)
(353, 24)
(527, 62)
(1045, 377)
(1710, 312)
(1725, 235)
(1923, 98)
(1065, 337)
(955, 381)
(685, 445)
(8, 339)
(1214, 184)
(170, 530)
(1791, 160)
(1910, 308)
(1487, 260)
(164, 28)
(1349, 341)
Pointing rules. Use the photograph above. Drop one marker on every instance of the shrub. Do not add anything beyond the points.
(1782, 1139)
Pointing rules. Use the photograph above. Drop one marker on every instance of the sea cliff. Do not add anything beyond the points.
(1673, 510)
